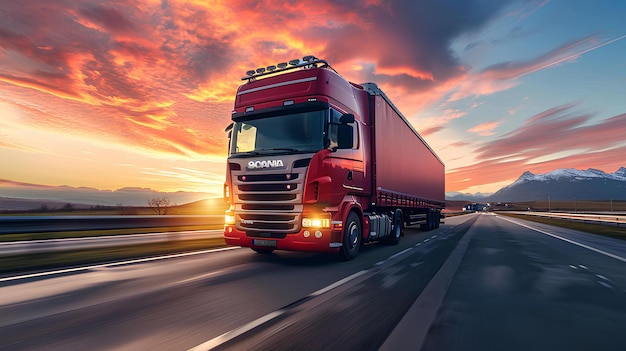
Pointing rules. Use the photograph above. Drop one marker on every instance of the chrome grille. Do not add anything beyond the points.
(268, 203)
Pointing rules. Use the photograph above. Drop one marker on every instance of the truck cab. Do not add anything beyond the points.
(295, 155)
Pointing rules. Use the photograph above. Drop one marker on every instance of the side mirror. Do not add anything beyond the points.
(229, 130)
(347, 118)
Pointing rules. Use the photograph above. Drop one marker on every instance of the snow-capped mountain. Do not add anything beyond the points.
(565, 184)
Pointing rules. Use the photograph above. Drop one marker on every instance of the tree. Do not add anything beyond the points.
(160, 205)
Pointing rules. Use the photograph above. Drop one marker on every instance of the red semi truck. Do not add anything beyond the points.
(320, 164)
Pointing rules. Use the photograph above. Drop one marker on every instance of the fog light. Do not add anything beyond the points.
(307, 234)
(318, 234)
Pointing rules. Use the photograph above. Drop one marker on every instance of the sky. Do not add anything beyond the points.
(116, 94)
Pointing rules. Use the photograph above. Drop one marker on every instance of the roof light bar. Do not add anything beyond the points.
(308, 61)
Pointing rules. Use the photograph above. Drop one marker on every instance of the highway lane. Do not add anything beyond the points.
(503, 284)
(510, 287)
(180, 303)
(519, 288)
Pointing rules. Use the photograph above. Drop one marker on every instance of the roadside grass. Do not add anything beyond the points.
(600, 229)
(68, 259)
(105, 232)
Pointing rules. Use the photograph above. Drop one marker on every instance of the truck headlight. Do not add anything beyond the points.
(315, 222)
(229, 219)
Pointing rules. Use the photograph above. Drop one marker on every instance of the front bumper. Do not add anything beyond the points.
(326, 240)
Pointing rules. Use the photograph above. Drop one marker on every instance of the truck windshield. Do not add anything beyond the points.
(298, 132)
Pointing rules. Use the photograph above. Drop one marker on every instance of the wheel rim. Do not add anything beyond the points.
(353, 235)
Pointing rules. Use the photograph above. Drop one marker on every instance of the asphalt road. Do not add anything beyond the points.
(479, 282)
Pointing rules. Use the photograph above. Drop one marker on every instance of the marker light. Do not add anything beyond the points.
(287, 102)
(250, 109)
(282, 65)
(294, 62)
(260, 70)
(250, 73)
(271, 68)
(308, 58)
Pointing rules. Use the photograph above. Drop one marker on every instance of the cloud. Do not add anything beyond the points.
(485, 129)
(559, 137)
(147, 73)
(505, 75)
(431, 130)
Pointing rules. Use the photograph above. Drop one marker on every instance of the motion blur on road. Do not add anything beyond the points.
(479, 282)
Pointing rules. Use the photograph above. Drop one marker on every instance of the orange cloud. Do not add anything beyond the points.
(558, 130)
(485, 129)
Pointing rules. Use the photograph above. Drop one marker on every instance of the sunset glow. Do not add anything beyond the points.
(137, 94)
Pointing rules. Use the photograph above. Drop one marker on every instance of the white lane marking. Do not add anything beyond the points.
(569, 241)
(338, 283)
(400, 253)
(434, 236)
(600, 276)
(605, 285)
(418, 244)
(426, 240)
(572, 266)
(113, 264)
(218, 340)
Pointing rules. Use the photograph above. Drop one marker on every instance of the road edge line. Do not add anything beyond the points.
(608, 254)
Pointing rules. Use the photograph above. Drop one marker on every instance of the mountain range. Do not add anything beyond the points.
(27, 196)
(561, 184)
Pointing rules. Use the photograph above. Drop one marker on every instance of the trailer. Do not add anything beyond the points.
(320, 164)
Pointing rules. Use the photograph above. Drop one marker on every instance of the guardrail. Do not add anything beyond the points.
(12, 248)
(618, 220)
(35, 224)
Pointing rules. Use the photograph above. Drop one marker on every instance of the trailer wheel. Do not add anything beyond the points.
(262, 251)
(394, 237)
(351, 237)
(428, 225)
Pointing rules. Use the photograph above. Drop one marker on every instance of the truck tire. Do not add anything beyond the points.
(428, 225)
(351, 237)
(396, 232)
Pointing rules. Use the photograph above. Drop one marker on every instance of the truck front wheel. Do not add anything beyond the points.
(351, 237)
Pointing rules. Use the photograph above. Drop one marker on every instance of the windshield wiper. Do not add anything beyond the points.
(279, 149)
(258, 152)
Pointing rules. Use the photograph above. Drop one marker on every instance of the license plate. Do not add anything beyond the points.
(263, 242)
